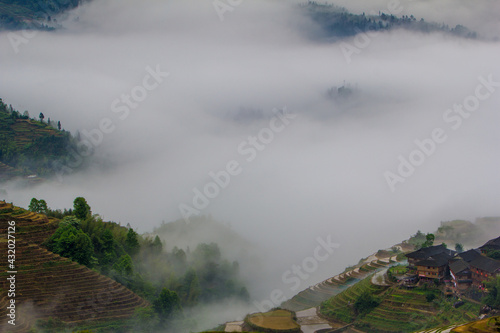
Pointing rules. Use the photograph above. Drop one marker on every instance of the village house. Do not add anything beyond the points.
(482, 269)
(466, 269)
(460, 270)
(491, 245)
(430, 262)
(426, 253)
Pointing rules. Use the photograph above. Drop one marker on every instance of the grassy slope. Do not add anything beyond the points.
(339, 307)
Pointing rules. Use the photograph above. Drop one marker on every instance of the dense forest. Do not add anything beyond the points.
(337, 23)
(29, 14)
(170, 281)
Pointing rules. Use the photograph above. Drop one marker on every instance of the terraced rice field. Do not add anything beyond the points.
(340, 306)
(7, 172)
(315, 295)
(400, 310)
(48, 285)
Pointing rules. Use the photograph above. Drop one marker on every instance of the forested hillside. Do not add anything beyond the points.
(29, 146)
(37, 14)
(172, 281)
(336, 22)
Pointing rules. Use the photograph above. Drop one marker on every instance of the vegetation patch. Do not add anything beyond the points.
(273, 321)
(486, 325)
(29, 146)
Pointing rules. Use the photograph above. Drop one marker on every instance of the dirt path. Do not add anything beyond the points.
(235, 326)
(381, 279)
(310, 322)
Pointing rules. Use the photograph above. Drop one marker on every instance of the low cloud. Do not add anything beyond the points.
(323, 174)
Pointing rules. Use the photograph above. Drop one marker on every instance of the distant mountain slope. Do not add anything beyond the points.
(32, 14)
(203, 229)
(336, 22)
(50, 286)
(28, 146)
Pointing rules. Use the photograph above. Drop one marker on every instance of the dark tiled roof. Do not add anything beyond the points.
(429, 252)
(458, 266)
(485, 264)
(492, 244)
(437, 260)
(469, 255)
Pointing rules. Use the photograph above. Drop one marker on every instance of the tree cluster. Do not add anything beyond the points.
(336, 22)
(171, 280)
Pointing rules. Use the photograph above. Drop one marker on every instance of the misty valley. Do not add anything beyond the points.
(249, 166)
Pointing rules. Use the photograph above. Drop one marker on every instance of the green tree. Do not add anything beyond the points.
(71, 220)
(459, 248)
(81, 208)
(108, 241)
(107, 248)
(145, 320)
(42, 207)
(124, 265)
(244, 295)
(494, 254)
(71, 242)
(429, 241)
(365, 303)
(493, 297)
(132, 242)
(157, 246)
(34, 204)
(41, 116)
(38, 206)
(190, 290)
(82, 249)
(167, 304)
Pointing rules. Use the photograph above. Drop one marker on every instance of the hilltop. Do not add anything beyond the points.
(30, 147)
(336, 23)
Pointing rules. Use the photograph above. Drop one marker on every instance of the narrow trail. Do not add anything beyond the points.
(381, 278)
(310, 322)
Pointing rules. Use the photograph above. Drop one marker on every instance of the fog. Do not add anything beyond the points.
(322, 174)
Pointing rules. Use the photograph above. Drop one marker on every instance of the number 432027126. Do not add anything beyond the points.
(11, 239)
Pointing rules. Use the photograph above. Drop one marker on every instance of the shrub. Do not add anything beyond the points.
(365, 303)
(430, 296)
